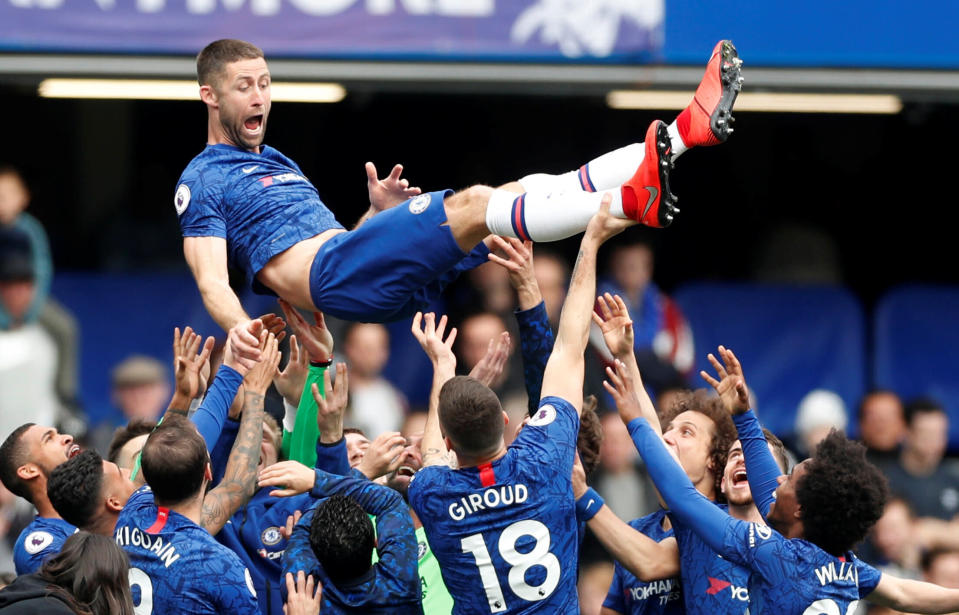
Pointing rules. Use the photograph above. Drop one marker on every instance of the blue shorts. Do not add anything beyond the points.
(394, 265)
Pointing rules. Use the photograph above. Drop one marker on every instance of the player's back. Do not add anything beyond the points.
(176, 566)
(792, 576)
(505, 533)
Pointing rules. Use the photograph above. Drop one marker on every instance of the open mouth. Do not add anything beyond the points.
(73, 451)
(740, 479)
(405, 471)
(253, 123)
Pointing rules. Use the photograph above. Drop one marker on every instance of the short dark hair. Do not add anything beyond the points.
(779, 450)
(724, 435)
(211, 62)
(590, 435)
(341, 535)
(356, 430)
(122, 435)
(74, 488)
(841, 495)
(470, 415)
(922, 405)
(13, 454)
(174, 460)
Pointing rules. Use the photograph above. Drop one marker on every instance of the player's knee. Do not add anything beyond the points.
(474, 197)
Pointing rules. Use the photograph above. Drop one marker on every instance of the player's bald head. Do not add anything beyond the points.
(212, 61)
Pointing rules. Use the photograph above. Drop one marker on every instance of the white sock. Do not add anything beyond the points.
(611, 170)
(675, 141)
(546, 216)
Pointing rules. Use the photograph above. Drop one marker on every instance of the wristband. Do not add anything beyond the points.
(326, 363)
(588, 505)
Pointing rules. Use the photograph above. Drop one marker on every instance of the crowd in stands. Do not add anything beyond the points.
(365, 444)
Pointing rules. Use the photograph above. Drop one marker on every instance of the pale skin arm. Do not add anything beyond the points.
(433, 446)
(564, 370)
(385, 193)
(239, 478)
(914, 596)
(207, 259)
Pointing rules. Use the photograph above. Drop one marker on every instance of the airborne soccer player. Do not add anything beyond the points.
(244, 202)
(502, 524)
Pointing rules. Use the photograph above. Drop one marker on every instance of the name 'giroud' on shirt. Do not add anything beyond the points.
(493, 497)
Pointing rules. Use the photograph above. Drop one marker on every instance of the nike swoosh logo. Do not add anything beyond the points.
(653, 193)
(256, 166)
(590, 502)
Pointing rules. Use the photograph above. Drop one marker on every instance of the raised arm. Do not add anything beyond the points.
(430, 336)
(617, 328)
(761, 468)
(190, 361)
(239, 479)
(564, 370)
(914, 596)
(535, 334)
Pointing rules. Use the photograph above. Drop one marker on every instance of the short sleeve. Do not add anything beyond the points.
(549, 437)
(615, 598)
(236, 594)
(199, 207)
(868, 577)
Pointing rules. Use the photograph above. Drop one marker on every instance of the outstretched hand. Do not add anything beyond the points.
(429, 334)
(621, 386)
(301, 597)
(315, 338)
(389, 192)
(292, 478)
(490, 367)
(329, 411)
(188, 366)
(603, 225)
(383, 455)
(614, 321)
(290, 381)
(258, 379)
(242, 349)
(731, 385)
(519, 264)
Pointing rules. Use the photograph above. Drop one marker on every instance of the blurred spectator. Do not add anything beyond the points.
(882, 426)
(415, 423)
(621, 479)
(28, 354)
(472, 342)
(658, 323)
(819, 412)
(552, 276)
(896, 540)
(140, 390)
(941, 566)
(31, 302)
(929, 483)
(8, 513)
(375, 405)
(491, 282)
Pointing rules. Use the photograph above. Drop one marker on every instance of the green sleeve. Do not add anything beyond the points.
(302, 442)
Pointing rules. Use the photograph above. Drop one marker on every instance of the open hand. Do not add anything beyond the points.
(290, 382)
(301, 598)
(258, 379)
(292, 477)
(383, 455)
(490, 367)
(430, 337)
(329, 411)
(731, 385)
(188, 365)
(315, 338)
(621, 386)
(614, 321)
(603, 225)
(389, 192)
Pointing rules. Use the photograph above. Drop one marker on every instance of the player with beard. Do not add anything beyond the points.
(288, 242)
(802, 563)
(27, 457)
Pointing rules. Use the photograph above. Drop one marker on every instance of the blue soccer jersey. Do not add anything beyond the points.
(176, 566)
(505, 533)
(262, 203)
(786, 576)
(38, 541)
(712, 584)
(630, 596)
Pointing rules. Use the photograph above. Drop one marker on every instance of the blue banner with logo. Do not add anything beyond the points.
(814, 33)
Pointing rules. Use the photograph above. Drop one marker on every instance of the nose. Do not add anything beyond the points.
(66, 439)
(781, 479)
(669, 439)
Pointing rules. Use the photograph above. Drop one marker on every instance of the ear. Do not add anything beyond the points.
(208, 473)
(798, 512)
(505, 418)
(28, 471)
(449, 444)
(208, 95)
(113, 504)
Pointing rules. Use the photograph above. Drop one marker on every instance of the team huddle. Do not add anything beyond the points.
(219, 508)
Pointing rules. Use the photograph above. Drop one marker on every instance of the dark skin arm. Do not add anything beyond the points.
(239, 479)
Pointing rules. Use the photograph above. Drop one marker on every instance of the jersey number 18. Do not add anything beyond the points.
(539, 555)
